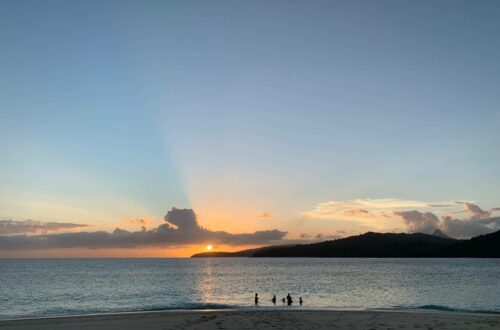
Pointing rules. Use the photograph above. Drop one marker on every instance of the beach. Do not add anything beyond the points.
(265, 319)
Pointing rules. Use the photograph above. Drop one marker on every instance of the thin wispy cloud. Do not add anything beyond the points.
(143, 223)
(365, 214)
(267, 215)
(355, 207)
(26, 227)
(356, 212)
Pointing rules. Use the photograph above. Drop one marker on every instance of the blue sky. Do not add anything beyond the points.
(115, 109)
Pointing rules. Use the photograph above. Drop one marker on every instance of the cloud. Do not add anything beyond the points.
(417, 216)
(361, 215)
(439, 205)
(13, 227)
(306, 238)
(479, 222)
(417, 221)
(469, 227)
(356, 212)
(138, 222)
(267, 215)
(355, 207)
(476, 211)
(180, 228)
(309, 238)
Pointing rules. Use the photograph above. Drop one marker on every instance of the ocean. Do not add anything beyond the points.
(60, 287)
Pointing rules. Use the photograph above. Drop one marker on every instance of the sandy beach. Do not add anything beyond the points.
(271, 319)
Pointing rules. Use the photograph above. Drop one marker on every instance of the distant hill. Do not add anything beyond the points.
(484, 246)
(380, 245)
(439, 233)
(243, 253)
(366, 245)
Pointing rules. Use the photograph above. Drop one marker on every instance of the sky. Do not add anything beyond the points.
(155, 128)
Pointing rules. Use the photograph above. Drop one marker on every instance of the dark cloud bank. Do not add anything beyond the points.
(479, 222)
(180, 227)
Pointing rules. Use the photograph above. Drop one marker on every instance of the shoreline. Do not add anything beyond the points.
(263, 309)
(252, 318)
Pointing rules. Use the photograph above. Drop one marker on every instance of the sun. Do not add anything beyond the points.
(209, 247)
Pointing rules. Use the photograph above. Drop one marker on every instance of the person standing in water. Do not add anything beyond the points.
(283, 300)
(300, 301)
(289, 299)
(274, 299)
(256, 298)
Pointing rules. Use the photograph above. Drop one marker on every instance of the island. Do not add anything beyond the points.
(379, 245)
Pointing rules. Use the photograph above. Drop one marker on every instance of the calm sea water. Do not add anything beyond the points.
(32, 288)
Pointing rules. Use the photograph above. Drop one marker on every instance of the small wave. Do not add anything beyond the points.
(437, 308)
(441, 308)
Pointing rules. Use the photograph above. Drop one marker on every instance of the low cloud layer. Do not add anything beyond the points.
(13, 227)
(180, 228)
(387, 215)
(355, 207)
(362, 215)
(479, 222)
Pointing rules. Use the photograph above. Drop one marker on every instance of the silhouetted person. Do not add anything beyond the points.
(283, 300)
(256, 299)
(274, 299)
(289, 299)
(300, 301)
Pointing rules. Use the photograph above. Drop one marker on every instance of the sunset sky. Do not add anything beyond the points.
(244, 123)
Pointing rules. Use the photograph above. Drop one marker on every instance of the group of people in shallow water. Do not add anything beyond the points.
(288, 300)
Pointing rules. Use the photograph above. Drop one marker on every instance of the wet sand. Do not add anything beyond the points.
(270, 319)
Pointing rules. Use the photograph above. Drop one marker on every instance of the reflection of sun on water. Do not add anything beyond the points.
(209, 247)
(206, 283)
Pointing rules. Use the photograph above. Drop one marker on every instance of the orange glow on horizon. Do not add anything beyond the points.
(153, 252)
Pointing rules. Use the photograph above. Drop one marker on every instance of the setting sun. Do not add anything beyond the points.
(209, 247)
